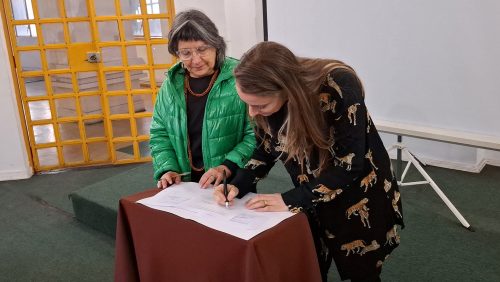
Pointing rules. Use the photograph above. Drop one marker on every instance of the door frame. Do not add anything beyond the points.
(15, 82)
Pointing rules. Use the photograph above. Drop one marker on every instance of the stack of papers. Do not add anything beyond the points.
(189, 201)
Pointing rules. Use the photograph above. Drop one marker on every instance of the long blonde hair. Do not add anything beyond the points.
(271, 69)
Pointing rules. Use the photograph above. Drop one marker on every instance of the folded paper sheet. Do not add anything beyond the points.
(189, 201)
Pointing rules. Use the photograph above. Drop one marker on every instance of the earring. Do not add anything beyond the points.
(182, 65)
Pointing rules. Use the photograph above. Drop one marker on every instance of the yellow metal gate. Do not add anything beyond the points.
(88, 72)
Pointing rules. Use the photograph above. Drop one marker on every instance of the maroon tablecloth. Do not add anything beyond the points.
(153, 245)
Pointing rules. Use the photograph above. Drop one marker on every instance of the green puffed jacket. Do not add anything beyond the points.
(227, 132)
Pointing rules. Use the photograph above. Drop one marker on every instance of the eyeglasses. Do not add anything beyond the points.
(187, 53)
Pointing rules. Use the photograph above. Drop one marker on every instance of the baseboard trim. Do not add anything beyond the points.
(493, 162)
(476, 168)
(469, 167)
(15, 174)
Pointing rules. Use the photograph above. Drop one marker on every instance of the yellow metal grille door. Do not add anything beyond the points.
(88, 73)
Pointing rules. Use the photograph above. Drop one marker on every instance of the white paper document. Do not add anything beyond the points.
(189, 201)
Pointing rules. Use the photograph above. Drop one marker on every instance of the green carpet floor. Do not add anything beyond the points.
(40, 239)
(97, 204)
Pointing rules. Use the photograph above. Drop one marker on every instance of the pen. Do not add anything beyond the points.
(184, 173)
(225, 188)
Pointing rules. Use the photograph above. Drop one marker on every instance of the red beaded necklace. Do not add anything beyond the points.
(187, 89)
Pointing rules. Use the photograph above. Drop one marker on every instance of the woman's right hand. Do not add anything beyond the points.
(168, 179)
(219, 194)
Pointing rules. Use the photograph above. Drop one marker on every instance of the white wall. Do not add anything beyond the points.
(244, 25)
(428, 63)
(14, 162)
(240, 22)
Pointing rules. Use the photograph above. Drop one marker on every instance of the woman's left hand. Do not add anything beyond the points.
(267, 202)
(214, 176)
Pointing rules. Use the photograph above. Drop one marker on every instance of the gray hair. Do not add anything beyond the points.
(193, 25)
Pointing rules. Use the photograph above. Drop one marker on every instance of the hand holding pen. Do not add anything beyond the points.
(226, 192)
(225, 198)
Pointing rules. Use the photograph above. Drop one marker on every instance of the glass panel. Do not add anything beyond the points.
(47, 156)
(72, 153)
(23, 30)
(80, 32)
(133, 29)
(94, 128)
(21, 10)
(98, 151)
(108, 31)
(26, 35)
(91, 105)
(161, 54)
(121, 128)
(137, 55)
(44, 133)
(61, 83)
(88, 81)
(30, 60)
(111, 56)
(160, 75)
(118, 104)
(76, 8)
(144, 149)
(115, 81)
(158, 28)
(139, 79)
(130, 7)
(48, 9)
(39, 110)
(57, 58)
(69, 131)
(124, 150)
(53, 33)
(35, 86)
(138, 103)
(143, 125)
(105, 8)
(146, 103)
(66, 107)
(156, 6)
(146, 82)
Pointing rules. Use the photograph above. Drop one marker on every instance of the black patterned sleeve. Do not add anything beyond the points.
(341, 101)
(259, 165)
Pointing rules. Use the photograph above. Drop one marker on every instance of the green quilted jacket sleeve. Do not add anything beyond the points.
(162, 148)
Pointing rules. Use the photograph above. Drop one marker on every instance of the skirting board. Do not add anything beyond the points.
(469, 167)
(15, 174)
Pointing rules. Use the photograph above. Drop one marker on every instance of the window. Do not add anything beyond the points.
(152, 7)
(22, 10)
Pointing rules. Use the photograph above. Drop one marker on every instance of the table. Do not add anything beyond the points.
(153, 245)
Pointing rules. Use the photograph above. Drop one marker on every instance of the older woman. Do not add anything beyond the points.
(200, 127)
